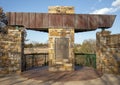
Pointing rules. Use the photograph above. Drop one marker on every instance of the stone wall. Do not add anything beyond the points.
(108, 52)
(61, 44)
(11, 50)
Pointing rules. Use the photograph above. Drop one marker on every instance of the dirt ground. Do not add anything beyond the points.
(81, 73)
(41, 76)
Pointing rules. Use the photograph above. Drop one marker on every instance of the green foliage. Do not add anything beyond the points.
(88, 46)
(85, 60)
(77, 48)
(85, 53)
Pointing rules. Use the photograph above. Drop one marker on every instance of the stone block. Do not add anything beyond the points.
(61, 9)
(51, 51)
(68, 65)
(63, 34)
(62, 69)
(59, 63)
(52, 69)
(65, 60)
(54, 33)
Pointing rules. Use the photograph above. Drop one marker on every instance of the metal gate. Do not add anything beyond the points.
(35, 60)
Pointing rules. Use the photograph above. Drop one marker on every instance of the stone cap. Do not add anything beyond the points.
(104, 33)
(61, 9)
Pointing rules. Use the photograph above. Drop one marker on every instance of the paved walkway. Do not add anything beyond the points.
(105, 79)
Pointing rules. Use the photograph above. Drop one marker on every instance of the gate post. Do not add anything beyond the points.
(11, 50)
(61, 43)
(106, 58)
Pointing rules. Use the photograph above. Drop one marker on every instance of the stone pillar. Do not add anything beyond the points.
(11, 50)
(61, 43)
(105, 59)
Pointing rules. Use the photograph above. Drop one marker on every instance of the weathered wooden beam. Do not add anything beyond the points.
(43, 21)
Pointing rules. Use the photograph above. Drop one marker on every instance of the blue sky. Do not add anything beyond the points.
(81, 7)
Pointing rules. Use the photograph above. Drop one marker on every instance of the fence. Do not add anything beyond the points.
(41, 59)
(36, 60)
(85, 60)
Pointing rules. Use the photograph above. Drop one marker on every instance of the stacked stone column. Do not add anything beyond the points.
(11, 50)
(58, 59)
(107, 53)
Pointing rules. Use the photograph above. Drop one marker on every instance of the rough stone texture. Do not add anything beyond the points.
(11, 50)
(63, 62)
(61, 9)
(108, 52)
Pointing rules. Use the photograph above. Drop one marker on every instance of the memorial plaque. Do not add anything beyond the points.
(61, 48)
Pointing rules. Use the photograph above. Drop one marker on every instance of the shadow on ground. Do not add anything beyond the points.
(41, 76)
(80, 73)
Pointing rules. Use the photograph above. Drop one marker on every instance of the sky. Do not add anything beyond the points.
(111, 7)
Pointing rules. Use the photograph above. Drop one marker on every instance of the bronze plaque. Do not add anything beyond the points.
(61, 48)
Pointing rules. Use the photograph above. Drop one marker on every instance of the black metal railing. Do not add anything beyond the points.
(41, 59)
(35, 60)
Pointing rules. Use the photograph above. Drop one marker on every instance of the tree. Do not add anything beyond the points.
(88, 46)
(77, 48)
(36, 44)
(3, 21)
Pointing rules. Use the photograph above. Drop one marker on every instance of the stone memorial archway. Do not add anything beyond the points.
(61, 23)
